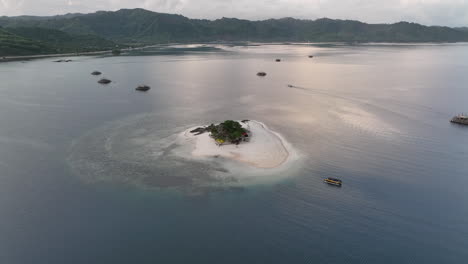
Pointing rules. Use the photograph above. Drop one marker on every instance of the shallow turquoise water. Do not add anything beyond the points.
(80, 182)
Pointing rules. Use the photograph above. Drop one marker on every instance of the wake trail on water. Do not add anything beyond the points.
(376, 117)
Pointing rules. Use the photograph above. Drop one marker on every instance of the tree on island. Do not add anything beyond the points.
(228, 131)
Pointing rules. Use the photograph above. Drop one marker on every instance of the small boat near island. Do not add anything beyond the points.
(143, 88)
(333, 181)
(104, 81)
(261, 74)
(461, 119)
(96, 73)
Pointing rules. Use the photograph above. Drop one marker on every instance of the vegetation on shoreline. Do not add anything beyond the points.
(36, 41)
(11, 44)
(228, 131)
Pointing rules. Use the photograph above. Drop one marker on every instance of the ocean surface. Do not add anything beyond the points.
(89, 173)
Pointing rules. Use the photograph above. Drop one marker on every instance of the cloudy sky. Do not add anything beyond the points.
(429, 12)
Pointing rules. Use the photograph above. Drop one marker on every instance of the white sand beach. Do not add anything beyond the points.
(266, 148)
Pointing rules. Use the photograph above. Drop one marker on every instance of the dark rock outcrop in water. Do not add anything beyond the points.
(96, 73)
(261, 74)
(143, 88)
(104, 81)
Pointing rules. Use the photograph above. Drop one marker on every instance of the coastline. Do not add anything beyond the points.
(55, 55)
(42, 56)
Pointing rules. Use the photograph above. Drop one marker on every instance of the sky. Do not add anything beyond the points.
(428, 12)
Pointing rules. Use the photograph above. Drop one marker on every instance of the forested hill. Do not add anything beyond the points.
(35, 41)
(11, 44)
(138, 26)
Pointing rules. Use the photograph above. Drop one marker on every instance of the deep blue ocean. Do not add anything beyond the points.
(85, 174)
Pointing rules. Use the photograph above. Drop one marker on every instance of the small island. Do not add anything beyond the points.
(246, 141)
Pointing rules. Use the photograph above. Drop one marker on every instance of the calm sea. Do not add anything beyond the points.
(88, 172)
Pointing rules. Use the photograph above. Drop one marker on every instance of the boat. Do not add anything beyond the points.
(460, 119)
(261, 74)
(104, 81)
(333, 181)
(143, 88)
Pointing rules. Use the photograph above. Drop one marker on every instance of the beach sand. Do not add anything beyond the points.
(266, 148)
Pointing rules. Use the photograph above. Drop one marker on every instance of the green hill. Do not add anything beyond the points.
(143, 26)
(20, 41)
(63, 42)
(139, 25)
(11, 44)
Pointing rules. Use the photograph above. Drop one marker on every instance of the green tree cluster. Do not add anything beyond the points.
(228, 131)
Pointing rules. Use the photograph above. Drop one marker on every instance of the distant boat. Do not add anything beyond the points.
(96, 73)
(290, 85)
(333, 181)
(143, 88)
(104, 81)
(278, 60)
(311, 56)
(460, 119)
(261, 74)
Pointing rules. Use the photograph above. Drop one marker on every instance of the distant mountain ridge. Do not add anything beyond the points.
(140, 26)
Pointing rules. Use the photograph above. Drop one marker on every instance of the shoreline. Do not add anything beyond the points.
(43, 56)
(55, 55)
